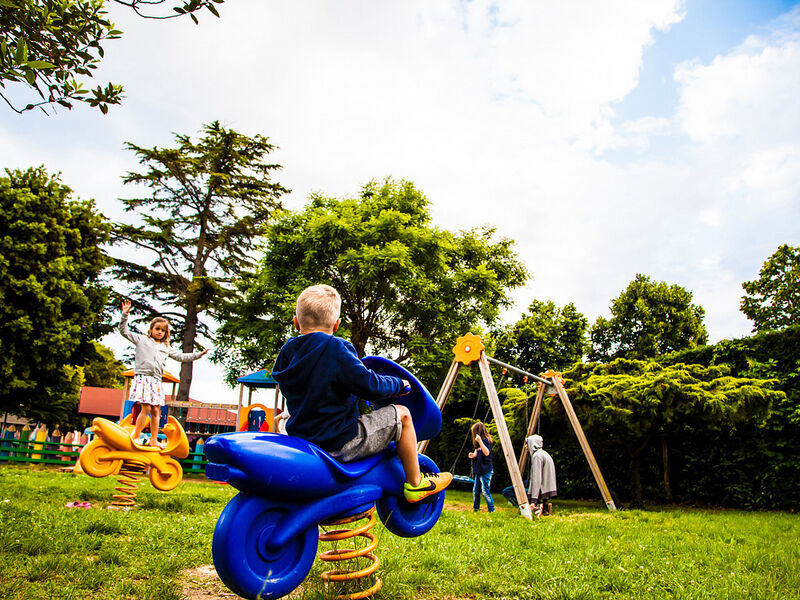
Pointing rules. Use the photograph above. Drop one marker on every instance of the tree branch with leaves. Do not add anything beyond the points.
(408, 288)
(49, 47)
(773, 300)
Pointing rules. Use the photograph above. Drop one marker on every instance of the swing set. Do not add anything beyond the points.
(468, 349)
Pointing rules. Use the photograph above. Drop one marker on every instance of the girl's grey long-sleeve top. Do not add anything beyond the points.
(150, 354)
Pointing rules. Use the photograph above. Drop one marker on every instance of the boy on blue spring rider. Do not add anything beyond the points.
(322, 378)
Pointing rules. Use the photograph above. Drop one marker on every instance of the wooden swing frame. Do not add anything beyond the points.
(468, 349)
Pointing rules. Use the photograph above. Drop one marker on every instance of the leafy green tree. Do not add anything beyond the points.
(209, 204)
(409, 289)
(627, 404)
(103, 369)
(773, 300)
(547, 337)
(751, 466)
(50, 293)
(648, 319)
(47, 45)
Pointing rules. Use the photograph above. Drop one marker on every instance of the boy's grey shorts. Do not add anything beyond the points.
(375, 431)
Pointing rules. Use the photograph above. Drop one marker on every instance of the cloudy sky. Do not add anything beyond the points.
(607, 138)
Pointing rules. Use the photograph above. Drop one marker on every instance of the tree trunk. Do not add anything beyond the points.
(189, 335)
(636, 474)
(359, 337)
(665, 462)
(636, 479)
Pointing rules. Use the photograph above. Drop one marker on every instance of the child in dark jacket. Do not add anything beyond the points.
(322, 379)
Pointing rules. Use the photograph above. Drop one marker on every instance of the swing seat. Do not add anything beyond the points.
(463, 479)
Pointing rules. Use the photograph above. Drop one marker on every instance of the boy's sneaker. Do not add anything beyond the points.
(430, 484)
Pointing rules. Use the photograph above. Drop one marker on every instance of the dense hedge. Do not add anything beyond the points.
(750, 466)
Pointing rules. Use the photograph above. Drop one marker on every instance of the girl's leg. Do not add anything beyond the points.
(486, 482)
(476, 492)
(141, 421)
(155, 417)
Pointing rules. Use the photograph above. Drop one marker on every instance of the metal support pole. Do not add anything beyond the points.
(125, 394)
(537, 409)
(519, 371)
(447, 386)
(505, 439)
(239, 409)
(444, 393)
(587, 451)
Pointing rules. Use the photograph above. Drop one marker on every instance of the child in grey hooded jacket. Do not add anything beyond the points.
(542, 474)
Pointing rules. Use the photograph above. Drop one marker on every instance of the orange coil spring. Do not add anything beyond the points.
(343, 575)
(128, 482)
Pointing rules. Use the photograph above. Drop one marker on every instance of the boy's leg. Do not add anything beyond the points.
(407, 446)
(417, 487)
(380, 427)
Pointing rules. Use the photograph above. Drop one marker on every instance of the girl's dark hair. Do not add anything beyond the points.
(480, 429)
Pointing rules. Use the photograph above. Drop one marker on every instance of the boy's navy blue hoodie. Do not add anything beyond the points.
(322, 379)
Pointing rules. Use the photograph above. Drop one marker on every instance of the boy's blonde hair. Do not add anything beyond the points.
(318, 307)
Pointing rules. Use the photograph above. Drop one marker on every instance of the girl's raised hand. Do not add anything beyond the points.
(126, 307)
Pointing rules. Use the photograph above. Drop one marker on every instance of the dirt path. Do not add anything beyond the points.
(202, 583)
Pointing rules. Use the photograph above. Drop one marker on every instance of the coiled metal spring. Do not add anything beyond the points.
(352, 554)
(129, 478)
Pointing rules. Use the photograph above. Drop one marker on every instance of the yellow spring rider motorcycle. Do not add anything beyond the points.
(113, 445)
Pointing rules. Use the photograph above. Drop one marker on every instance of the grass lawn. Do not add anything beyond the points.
(51, 552)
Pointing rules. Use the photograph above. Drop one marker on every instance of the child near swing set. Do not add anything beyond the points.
(151, 354)
(482, 467)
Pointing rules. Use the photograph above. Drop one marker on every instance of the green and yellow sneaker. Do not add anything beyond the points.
(430, 484)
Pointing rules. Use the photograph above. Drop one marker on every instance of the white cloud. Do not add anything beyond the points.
(498, 111)
(748, 96)
(770, 177)
(711, 216)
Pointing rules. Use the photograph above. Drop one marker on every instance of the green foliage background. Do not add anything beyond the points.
(739, 449)
(751, 465)
(51, 296)
(409, 289)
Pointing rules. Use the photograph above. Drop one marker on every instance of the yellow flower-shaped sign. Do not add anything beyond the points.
(468, 348)
(553, 375)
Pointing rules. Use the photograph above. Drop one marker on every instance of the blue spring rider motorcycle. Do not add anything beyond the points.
(266, 539)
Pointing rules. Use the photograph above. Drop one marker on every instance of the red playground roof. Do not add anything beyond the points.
(107, 401)
(100, 401)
